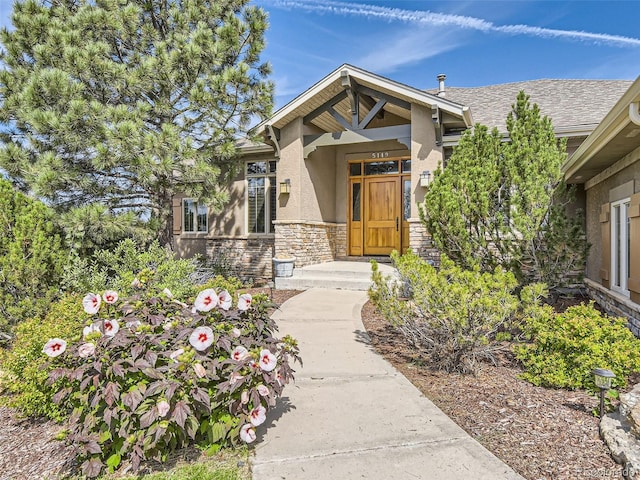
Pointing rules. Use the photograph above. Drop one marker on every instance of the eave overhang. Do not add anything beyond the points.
(331, 85)
(611, 140)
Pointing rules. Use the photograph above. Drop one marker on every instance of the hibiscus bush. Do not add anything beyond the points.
(152, 374)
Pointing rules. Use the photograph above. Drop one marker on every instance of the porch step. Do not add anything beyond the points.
(339, 275)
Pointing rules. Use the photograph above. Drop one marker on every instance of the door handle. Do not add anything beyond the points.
(397, 223)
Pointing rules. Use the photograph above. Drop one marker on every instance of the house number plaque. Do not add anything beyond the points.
(380, 155)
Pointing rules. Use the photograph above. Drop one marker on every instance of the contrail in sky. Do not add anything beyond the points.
(444, 19)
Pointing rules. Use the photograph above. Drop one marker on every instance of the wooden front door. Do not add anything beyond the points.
(382, 215)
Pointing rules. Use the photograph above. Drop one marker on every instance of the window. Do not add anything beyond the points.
(261, 196)
(620, 245)
(194, 216)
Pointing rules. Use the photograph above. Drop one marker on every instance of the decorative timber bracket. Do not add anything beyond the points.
(401, 133)
(436, 116)
(356, 130)
(273, 134)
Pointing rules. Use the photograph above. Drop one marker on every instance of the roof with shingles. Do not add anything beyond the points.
(569, 103)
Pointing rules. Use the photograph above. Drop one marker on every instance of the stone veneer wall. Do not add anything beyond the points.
(250, 258)
(420, 242)
(341, 240)
(615, 304)
(309, 242)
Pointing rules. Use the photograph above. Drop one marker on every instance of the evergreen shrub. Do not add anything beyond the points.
(566, 347)
(454, 316)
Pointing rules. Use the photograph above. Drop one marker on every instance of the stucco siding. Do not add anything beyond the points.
(425, 154)
(290, 166)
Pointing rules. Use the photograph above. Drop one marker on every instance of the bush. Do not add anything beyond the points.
(566, 347)
(32, 258)
(153, 375)
(117, 270)
(454, 316)
(25, 368)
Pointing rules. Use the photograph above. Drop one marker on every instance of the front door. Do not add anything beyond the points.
(382, 215)
(380, 205)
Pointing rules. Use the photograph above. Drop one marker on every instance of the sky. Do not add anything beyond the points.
(474, 43)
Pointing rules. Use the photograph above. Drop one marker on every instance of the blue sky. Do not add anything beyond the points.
(473, 43)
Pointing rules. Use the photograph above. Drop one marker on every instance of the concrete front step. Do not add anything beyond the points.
(337, 275)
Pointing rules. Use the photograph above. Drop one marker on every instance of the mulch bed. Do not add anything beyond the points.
(541, 433)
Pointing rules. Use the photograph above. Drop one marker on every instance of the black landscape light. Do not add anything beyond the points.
(603, 378)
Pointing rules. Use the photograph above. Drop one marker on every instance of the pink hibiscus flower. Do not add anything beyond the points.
(110, 296)
(206, 300)
(244, 301)
(239, 353)
(174, 355)
(110, 327)
(94, 327)
(86, 350)
(224, 300)
(91, 303)
(267, 360)
(55, 347)
(163, 408)
(263, 390)
(199, 369)
(258, 415)
(248, 433)
(201, 338)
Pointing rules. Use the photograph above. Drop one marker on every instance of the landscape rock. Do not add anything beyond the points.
(620, 430)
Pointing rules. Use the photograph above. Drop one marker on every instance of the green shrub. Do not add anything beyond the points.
(454, 316)
(153, 374)
(566, 347)
(117, 270)
(32, 258)
(25, 368)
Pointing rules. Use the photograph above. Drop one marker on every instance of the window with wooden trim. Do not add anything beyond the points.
(620, 245)
(195, 216)
(261, 196)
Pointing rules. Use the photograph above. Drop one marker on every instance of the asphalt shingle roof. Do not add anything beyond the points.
(569, 103)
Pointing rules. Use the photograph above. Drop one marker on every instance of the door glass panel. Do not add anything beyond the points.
(406, 166)
(406, 199)
(380, 168)
(355, 169)
(355, 202)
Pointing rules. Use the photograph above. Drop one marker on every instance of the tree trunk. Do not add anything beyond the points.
(165, 235)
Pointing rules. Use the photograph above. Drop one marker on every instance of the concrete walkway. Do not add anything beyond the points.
(351, 415)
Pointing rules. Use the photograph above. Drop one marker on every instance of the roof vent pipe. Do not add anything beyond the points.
(441, 79)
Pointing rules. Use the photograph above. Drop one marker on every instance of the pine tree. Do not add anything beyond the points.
(503, 203)
(124, 104)
(32, 258)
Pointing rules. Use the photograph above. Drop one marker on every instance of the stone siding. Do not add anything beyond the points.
(341, 240)
(250, 259)
(421, 243)
(309, 242)
(615, 304)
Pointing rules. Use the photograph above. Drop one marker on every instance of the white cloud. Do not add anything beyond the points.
(442, 19)
(406, 48)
